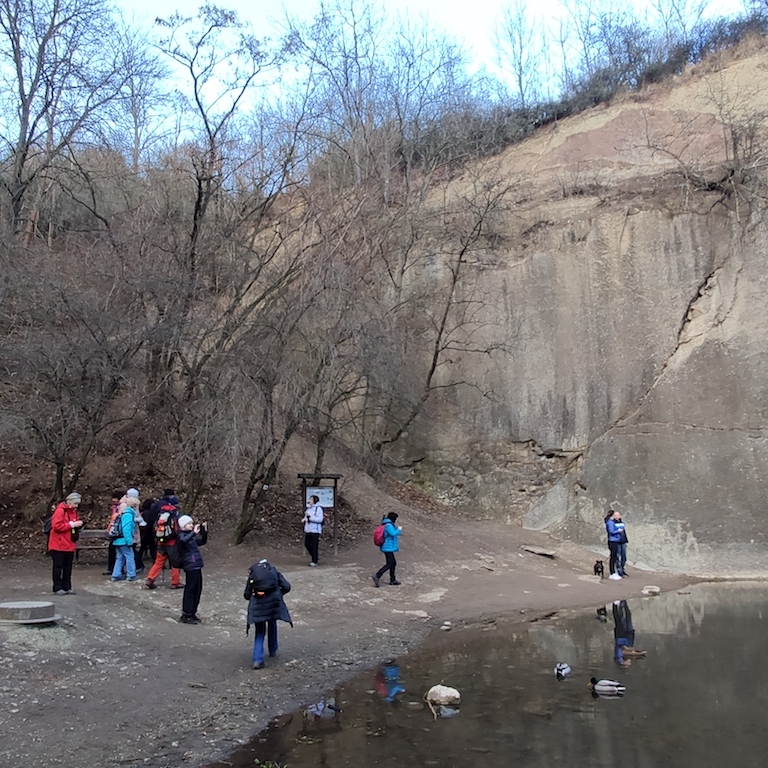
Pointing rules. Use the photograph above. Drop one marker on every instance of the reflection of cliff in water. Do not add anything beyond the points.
(696, 700)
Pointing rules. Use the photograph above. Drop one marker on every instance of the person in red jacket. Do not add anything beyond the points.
(62, 543)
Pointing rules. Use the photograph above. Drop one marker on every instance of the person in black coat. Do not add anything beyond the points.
(191, 537)
(264, 591)
(149, 512)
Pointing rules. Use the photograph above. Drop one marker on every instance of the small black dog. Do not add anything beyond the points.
(599, 569)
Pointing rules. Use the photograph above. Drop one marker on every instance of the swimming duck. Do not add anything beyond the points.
(607, 687)
(562, 670)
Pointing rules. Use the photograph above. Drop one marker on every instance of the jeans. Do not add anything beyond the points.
(62, 569)
(263, 628)
(389, 565)
(124, 556)
(193, 589)
(618, 557)
(621, 559)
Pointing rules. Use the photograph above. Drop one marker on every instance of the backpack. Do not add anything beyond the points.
(261, 580)
(166, 525)
(47, 523)
(378, 535)
(115, 529)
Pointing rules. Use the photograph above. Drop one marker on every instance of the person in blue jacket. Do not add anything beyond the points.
(389, 547)
(617, 544)
(124, 544)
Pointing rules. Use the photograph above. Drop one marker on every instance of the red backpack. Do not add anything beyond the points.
(378, 535)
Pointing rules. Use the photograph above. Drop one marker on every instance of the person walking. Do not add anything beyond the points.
(313, 527)
(124, 544)
(166, 530)
(389, 547)
(264, 591)
(62, 542)
(617, 544)
(191, 537)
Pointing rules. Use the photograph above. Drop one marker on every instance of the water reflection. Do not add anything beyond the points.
(697, 699)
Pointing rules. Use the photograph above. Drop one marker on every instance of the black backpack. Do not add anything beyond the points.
(262, 580)
(47, 523)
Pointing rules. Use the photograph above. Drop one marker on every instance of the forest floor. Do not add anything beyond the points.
(119, 682)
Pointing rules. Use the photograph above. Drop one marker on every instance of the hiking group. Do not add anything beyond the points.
(155, 526)
(158, 528)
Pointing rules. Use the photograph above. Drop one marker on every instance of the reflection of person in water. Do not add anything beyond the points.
(324, 709)
(623, 632)
(387, 681)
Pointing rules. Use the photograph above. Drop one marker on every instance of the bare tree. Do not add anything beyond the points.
(58, 76)
(521, 49)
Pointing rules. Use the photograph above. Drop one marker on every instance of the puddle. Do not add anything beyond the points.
(696, 699)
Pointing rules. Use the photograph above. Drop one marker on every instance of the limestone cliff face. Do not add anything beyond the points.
(634, 288)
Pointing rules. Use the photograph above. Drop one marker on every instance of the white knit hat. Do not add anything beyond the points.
(185, 520)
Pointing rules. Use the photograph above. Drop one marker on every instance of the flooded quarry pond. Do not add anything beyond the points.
(697, 698)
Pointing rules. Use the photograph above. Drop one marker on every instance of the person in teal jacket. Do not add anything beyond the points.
(389, 547)
(124, 545)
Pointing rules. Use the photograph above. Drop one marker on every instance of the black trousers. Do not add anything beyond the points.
(390, 566)
(193, 589)
(62, 569)
(311, 544)
(148, 544)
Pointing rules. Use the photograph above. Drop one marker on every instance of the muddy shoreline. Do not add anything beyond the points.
(120, 682)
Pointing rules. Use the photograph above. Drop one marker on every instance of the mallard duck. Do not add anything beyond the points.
(607, 687)
(562, 670)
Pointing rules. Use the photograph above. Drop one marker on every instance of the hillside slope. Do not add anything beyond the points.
(630, 274)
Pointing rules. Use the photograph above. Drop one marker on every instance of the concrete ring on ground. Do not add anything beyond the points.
(28, 612)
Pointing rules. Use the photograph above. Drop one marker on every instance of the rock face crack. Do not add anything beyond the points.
(704, 316)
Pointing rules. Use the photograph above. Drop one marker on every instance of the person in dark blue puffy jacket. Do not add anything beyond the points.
(190, 538)
(389, 547)
(264, 591)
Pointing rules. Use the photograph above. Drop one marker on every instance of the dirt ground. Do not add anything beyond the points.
(118, 681)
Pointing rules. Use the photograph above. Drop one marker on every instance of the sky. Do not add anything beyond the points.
(469, 21)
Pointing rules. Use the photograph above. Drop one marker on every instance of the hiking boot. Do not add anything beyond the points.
(375, 580)
(259, 666)
(177, 586)
(189, 619)
(151, 584)
(394, 583)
